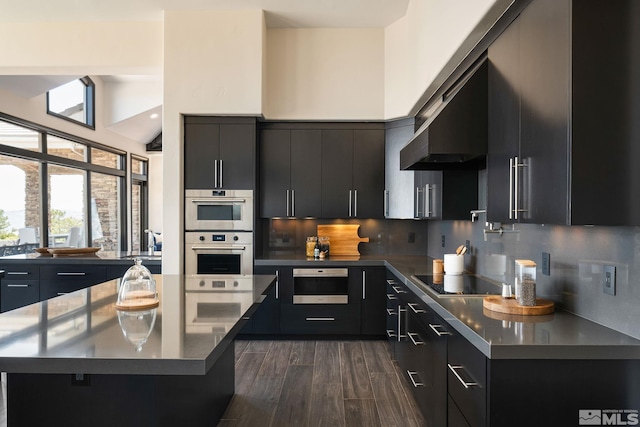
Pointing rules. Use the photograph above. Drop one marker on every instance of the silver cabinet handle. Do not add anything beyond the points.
(439, 333)
(413, 340)
(510, 188)
(516, 184)
(62, 293)
(391, 282)
(277, 284)
(320, 319)
(455, 372)
(427, 201)
(246, 318)
(391, 312)
(364, 284)
(17, 273)
(214, 201)
(71, 274)
(350, 201)
(12, 285)
(415, 384)
(391, 297)
(398, 290)
(385, 203)
(413, 306)
(355, 203)
(417, 202)
(221, 175)
(391, 333)
(288, 205)
(215, 173)
(293, 202)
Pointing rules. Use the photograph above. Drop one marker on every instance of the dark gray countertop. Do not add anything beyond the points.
(107, 258)
(81, 332)
(560, 335)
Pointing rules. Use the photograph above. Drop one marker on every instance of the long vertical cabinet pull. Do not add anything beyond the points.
(516, 185)
(386, 203)
(355, 203)
(418, 204)
(364, 284)
(293, 202)
(215, 174)
(427, 201)
(277, 284)
(510, 188)
(288, 203)
(350, 202)
(221, 175)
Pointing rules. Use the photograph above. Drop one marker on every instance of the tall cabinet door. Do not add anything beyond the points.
(368, 173)
(201, 150)
(504, 121)
(306, 173)
(337, 167)
(275, 164)
(544, 114)
(237, 156)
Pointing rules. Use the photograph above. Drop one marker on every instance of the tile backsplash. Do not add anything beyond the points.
(578, 255)
(398, 237)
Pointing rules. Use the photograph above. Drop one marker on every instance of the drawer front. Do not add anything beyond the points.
(62, 279)
(18, 293)
(466, 379)
(319, 319)
(18, 272)
(454, 416)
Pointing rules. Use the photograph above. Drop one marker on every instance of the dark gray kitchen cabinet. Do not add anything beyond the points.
(561, 144)
(290, 174)
(266, 319)
(219, 152)
(445, 195)
(372, 282)
(19, 287)
(62, 279)
(353, 173)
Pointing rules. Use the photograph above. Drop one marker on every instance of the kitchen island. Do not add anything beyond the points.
(76, 360)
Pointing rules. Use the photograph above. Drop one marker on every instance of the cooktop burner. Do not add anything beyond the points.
(462, 284)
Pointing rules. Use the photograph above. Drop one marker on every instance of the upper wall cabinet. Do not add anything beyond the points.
(219, 152)
(290, 172)
(562, 102)
(322, 170)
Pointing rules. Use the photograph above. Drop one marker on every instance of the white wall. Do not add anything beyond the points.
(213, 64)
(419, 45)
(325, 74)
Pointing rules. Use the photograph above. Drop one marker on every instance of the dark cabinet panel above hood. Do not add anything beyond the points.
(455, 136)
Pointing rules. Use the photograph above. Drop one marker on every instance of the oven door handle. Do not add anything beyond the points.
(218, 201)
(218, 248)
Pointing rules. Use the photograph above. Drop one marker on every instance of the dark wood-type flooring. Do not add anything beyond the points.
(319, 383)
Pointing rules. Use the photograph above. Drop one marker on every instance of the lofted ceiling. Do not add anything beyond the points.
(138, 125)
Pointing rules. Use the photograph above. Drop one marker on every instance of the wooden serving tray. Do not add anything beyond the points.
(343, 238)
(71, 251)
(511, 306)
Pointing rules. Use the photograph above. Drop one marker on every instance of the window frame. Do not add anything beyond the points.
(89, 105)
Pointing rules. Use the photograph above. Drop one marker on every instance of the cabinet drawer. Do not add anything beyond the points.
(18, 293)
(467, 379)
(319, 319)
(18, 272)
(62, 279)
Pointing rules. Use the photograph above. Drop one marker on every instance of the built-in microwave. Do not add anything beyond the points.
(218, 210)
(218, 253)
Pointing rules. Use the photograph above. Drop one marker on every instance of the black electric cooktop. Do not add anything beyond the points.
(463, 285)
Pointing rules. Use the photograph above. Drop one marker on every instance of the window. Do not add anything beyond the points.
(62, 190)
(73, 101)
(139, 203)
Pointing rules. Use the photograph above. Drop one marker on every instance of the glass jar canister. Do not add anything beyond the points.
(323, 242)
(311, 245)
(525, 282)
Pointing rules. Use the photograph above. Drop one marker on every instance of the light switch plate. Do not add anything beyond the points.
(609, 279)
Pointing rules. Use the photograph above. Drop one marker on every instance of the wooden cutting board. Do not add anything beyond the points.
(343, 238)
(511, 306)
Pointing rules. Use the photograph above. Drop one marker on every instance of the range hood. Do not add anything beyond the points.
(455, 135)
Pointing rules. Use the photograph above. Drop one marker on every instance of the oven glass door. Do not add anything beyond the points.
(323, 288)
(217, 263)
(218, 212)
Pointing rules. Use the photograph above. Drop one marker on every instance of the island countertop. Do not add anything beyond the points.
(81, 332)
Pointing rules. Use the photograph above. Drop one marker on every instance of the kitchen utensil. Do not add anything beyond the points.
(344, 238)
(506, 291)
(461, 250)
(438, 266)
